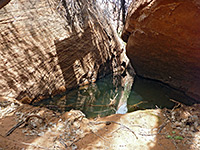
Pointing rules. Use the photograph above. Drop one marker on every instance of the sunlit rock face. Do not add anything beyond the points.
(163, 42)
(48, 45)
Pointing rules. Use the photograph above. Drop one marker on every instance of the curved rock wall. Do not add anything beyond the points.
(163, 42)
(47, 46)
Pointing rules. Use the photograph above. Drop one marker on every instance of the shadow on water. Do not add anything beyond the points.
(116, 94)
(155, 94)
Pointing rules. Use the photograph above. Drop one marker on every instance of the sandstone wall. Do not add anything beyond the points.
(163, 42)
(45, 46)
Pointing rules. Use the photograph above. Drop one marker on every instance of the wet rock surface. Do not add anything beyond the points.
(163, 42)
(156, 129)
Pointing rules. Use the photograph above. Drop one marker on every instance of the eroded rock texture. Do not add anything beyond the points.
(163, 42)
(48, 44)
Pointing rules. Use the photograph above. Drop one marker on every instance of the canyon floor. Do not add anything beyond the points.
(26, 127)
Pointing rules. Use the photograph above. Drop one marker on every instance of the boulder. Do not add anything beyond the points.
(163, 42)
(46, 46)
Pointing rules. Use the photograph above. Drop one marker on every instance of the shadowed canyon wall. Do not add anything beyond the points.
(50, 45)
(163, 42)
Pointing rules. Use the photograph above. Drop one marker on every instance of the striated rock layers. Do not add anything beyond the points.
(163, 42)
(51, 44)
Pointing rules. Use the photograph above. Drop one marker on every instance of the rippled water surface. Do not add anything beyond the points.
(116, 95)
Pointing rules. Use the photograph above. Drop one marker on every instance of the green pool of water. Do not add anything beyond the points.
(95, 99)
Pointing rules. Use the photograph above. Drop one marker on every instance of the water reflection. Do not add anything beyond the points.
(153, 93)
(125, 90)
(107, 96)
(115, 94)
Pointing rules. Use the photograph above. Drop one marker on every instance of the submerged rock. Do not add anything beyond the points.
(163, 42)
(48, 46)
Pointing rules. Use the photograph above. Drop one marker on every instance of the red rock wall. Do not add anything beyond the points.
(45, 46)
(163, 42)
